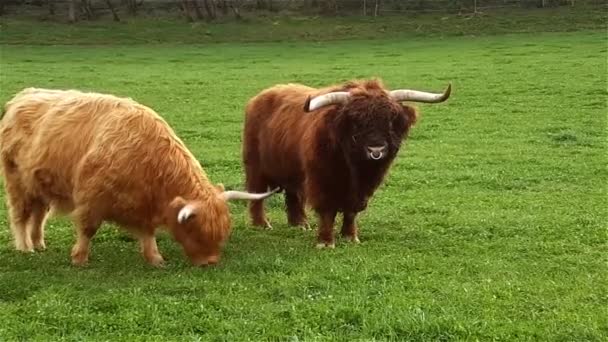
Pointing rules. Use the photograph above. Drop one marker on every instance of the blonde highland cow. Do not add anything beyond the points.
(96, 158)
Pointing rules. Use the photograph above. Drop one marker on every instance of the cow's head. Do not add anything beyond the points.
(202, 225)
(369, 122)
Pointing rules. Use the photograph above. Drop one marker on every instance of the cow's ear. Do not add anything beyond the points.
(177, 203)
(405, 119)
(412, 114)
(337, 127)
(342, 123)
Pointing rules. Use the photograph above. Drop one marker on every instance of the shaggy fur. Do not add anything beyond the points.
(102, 158)
(321, 158)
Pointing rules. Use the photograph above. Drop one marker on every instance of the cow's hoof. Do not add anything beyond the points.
(322, 245)
(39, 245)
(352, 239)
(80, 257)
(305, 226)
(156, 260)
(80, 260)
(263, 225)
(24, 246)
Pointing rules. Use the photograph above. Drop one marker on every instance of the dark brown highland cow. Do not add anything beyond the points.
(329, 148)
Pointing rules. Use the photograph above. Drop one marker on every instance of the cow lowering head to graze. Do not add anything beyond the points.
(101, 158)
(329, 148)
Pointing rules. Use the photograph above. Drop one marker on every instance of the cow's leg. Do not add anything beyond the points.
(325, 236)
(349, 227)
(296, 216)
(36, 223)
(19, 211)
(90, 187)
(149, 249)
(255, 182)
(86, 227)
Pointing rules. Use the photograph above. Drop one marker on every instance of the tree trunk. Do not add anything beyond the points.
(113, 10)
(51, 7)
(86, 8)
(364, 8)
(209, 10)
(132, 7)
(187, 10)
(213, 6)
(72, 11)
(197, 10)
(334, 6)
(224, 7)
(235, 10)
(376, 8)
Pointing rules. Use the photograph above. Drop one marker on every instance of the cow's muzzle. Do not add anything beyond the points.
(376, 152)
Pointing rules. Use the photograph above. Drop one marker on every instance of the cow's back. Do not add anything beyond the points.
(53, 130)
(274, 126)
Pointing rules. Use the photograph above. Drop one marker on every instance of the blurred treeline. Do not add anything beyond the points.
(214, 10)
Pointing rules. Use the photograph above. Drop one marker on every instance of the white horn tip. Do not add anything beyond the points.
(271, 192)
(230, 195)
(314, 104)
(447, 92)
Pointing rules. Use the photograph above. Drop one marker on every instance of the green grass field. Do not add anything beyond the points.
(490, 226)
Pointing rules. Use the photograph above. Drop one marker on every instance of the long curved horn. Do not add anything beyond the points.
(327, 99)
(232, 194)
(421, 96)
